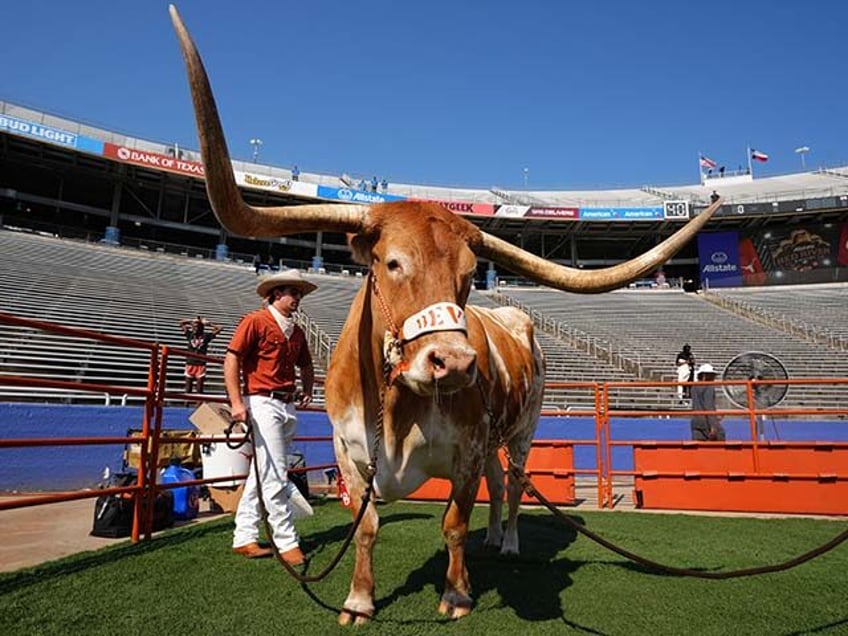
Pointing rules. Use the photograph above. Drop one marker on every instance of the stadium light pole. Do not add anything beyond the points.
(803, 150)
(255, 142)
(526, 170)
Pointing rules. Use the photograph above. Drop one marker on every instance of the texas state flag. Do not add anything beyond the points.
(759, 156)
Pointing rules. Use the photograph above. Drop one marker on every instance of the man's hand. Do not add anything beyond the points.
(238, 413)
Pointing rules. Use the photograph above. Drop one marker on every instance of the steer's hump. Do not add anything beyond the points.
(511, 319)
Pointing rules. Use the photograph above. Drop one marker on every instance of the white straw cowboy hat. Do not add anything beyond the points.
(288, 278)
(706, 368)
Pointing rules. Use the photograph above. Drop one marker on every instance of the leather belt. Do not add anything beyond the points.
(283, 396)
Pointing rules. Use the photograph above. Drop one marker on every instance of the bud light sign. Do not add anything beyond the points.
(718, 256)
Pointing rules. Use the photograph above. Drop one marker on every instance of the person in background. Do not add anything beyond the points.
(198, 333)
(259, 374)
(295, 173)
(706, 427)
(373, 184)
(384, 185)
(685, 365)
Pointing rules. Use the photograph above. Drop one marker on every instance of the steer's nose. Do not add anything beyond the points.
(453, 366)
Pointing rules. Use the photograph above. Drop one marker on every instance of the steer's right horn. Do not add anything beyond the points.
(592, 281)
(233, 213)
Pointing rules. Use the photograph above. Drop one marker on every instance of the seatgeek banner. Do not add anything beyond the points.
(55, 136)
(718, 259)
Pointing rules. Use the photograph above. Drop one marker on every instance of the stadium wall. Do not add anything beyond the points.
(76, 467)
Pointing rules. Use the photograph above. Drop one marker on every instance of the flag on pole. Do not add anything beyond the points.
(759, 156)
(706, 162)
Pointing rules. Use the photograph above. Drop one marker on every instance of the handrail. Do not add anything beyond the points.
(605, 406)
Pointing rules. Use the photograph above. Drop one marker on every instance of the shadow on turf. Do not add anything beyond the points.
(827, 628)
(530, 584)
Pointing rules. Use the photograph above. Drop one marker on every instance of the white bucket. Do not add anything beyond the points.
(219, 460)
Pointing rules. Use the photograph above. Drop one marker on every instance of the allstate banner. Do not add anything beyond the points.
(718, 258)
(352, 195)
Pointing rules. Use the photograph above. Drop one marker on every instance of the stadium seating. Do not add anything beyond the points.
(823, 308)
(650, 327)
(623, 335)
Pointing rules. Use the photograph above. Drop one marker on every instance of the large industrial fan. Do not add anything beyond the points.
(756, 365)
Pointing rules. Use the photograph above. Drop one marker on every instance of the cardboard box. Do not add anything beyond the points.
(211, 418)
(227, 499)
(187, 453)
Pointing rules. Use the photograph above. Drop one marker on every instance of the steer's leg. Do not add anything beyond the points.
(495, 484)
(456, 599)
(359, 605)
(519, 449)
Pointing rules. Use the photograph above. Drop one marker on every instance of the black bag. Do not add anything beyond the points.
(113, 513)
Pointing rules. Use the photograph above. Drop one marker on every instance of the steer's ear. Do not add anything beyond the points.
(362, 243)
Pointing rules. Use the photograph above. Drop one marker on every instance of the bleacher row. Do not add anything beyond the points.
(650, 327)
(626, 335)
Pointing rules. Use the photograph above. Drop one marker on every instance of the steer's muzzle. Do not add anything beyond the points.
(444, 368)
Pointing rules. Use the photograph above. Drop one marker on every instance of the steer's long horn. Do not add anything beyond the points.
(595, 281)
(232, 212)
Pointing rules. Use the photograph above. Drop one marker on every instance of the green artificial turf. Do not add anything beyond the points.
(187, 582)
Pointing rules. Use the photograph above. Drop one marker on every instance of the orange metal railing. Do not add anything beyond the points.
(156, 395)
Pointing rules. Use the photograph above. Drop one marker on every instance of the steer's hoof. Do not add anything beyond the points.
(454, 606)
(348, 617)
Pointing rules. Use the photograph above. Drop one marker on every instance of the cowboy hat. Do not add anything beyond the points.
(706, 368)
(287, 278)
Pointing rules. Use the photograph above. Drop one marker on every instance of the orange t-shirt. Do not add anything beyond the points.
(267, 358)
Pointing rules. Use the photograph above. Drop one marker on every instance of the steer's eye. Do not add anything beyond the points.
(393, 265)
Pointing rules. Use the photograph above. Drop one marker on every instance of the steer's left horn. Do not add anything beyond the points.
(594, 281)
(227, 203)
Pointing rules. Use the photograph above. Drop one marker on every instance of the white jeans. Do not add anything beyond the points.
(682, 376)
(273, 429)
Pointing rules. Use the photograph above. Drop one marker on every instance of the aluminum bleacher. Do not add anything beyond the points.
(142, 295)
(651, 326)
(824, 308)
(114, 291)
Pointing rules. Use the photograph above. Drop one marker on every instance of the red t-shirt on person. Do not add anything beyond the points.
(268, 360)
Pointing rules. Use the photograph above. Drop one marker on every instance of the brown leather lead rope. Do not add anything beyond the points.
(528, 487)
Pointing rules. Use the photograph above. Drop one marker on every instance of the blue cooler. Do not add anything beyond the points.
(186, 498)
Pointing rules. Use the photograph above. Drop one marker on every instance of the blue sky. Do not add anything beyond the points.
(581, 94)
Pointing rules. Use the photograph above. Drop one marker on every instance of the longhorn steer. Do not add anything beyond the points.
(463, 379)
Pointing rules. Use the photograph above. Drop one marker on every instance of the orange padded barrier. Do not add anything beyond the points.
(781, 477)
(550, 466)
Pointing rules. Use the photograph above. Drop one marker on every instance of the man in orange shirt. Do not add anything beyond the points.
(266, 347)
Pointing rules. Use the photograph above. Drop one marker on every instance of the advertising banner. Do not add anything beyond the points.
(553, 213)
(51, 135)
(718, 258)
(621, 214)
(803, 253)
(352, 195)
(468, 208)
(276, 184)
(153, 160)
(512, 211)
